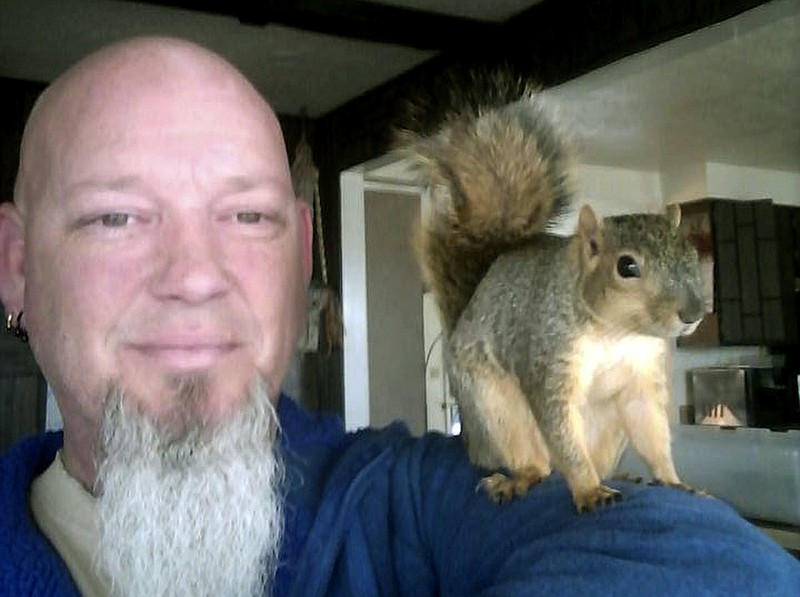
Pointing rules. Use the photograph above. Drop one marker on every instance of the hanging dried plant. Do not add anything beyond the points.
(305, 178)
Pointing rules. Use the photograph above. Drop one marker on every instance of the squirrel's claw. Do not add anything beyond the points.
(681, 486)
(628, 477)
(596, 496)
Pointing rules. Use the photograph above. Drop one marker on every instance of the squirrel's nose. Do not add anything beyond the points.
(692, 311)
(690, 317)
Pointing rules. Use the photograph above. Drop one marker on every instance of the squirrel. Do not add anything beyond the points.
(555, 346)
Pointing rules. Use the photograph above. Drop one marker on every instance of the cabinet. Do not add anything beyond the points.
(750, 251)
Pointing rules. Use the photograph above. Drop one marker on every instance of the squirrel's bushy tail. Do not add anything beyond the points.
(497, 178)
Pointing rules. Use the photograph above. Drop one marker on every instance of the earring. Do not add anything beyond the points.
(14, 326)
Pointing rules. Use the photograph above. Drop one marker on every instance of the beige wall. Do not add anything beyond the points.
(394, 308)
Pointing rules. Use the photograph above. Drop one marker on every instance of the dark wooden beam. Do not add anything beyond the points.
(353, 19)
(558, 40)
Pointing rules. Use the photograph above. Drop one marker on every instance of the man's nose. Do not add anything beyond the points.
(190, 260)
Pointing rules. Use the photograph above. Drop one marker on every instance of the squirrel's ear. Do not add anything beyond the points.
(589, 231)
(674, 214)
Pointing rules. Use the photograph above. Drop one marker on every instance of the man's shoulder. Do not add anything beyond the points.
(28, 564)
(20, 465)
(301, 428)
(29, 457)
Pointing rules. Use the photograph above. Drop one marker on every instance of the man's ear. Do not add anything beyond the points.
(306, 238)
(12, 258)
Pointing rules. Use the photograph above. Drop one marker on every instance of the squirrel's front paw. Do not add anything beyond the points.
(601, 495)
(502, 488)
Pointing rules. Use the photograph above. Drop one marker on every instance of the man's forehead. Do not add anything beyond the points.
(142, 99)
(150, 62)
(141, 80)
(122, 96)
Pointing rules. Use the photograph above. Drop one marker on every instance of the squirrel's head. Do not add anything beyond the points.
(639, 273)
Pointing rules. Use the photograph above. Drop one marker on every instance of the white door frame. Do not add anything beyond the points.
(354, 286)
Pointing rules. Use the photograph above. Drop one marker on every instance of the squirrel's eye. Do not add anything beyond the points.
(627, 267)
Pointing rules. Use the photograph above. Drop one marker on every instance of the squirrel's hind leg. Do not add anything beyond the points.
(499, 428)
(558, 406)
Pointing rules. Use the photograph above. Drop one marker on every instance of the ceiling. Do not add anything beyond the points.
(297, 70)
(727, 93)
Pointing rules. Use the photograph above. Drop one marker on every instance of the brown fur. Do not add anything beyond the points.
(522, 172)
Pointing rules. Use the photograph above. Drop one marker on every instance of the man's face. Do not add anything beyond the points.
(166, 246)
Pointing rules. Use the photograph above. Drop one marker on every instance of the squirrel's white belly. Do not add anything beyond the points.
(606, 366)
(611, 371)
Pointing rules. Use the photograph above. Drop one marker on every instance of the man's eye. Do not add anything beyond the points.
(249, 217)
(264, 223)
(114, 220)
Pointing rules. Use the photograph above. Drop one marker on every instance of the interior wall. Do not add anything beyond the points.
(742, 182)
(611, 191)
(394, 311)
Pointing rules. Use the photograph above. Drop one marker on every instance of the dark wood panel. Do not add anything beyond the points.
(756, 252)
(18, 99)
(352, 19)
(22, 407)
(23, 391)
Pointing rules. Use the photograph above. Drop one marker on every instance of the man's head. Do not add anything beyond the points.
(161, 259)
(156, 238)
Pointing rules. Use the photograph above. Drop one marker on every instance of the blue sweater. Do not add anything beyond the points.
(381, 513)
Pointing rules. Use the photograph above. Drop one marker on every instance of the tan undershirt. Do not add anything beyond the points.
(65, 512)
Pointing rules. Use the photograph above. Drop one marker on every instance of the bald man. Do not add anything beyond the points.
(160, 259)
